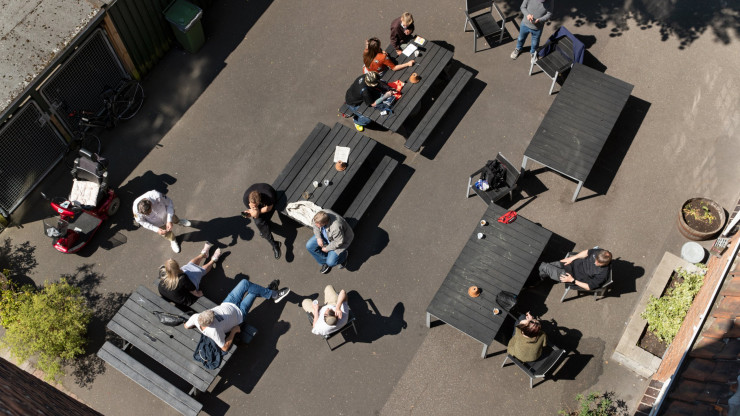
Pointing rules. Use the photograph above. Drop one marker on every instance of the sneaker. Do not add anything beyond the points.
(274, 285)
(175, 246)
(276, 250)
(281, 294)
(184, 222)
(343, 264)
(534, 58)
(206, 248)
(215, 256)
(359, 127)
(324, 269)
(515, 54)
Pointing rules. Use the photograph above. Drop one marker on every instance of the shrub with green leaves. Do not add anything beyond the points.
(665, 314)
(49, 324)
(595, 404)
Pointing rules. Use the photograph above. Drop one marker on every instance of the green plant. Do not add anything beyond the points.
(49, 324)
(665, 314)
(702, 214)
(595, 404)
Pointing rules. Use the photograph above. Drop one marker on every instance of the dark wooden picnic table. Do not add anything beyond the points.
(172, 347)
(502, 260)
(429, 66)
(578, 123)
(314, 161)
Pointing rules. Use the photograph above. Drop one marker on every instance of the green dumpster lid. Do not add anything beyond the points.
(182, 14)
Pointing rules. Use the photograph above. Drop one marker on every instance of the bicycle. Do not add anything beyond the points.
(121, 103)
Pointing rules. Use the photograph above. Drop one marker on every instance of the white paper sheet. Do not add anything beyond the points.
(410, 49)
(341, 154)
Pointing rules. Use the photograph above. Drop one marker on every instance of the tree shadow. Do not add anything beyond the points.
(103, 305)
(19, 260)
(685, 20)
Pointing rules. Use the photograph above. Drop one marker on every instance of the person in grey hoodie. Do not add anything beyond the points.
(536, 13)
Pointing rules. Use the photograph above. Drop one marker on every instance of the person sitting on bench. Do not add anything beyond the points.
(378, 61)
(231, 313)
(182, 285)
(588, 269)
(331, 238)
(332, 316)
(369, 89)
(528, 340)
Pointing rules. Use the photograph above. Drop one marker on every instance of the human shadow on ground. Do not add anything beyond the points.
(371, 324)
(684, 20)
(215, 229)
(103, 305)
(616, 147)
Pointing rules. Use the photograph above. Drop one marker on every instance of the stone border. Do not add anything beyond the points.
(628, 353)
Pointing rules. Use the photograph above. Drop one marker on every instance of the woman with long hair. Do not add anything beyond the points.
(181, 285)
(376, 60)
(528, 339)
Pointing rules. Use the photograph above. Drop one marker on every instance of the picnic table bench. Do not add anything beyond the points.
(430, 65)
(354, 188)
(502, 260)
(579, 121)
(172, 347)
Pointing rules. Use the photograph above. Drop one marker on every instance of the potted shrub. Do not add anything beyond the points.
(700, 219)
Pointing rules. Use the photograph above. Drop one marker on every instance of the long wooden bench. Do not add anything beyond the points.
(371, 189)
(147, 379)
(438, 109)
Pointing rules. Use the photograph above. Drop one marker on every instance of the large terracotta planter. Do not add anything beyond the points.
(708, 230)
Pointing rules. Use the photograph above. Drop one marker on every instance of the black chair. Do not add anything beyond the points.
(492, 195)
(349, 324)
(598, 291)
(559, 59)
(479, 14)
(539, 368)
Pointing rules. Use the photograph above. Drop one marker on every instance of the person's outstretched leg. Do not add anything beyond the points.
(253, 291)
(313, 247)
(552, 270)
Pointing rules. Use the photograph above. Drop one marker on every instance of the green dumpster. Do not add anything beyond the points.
(185, 20)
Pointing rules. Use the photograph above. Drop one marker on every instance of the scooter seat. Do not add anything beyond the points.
(85, 193)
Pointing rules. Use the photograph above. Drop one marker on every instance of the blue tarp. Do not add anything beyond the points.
(578, 46)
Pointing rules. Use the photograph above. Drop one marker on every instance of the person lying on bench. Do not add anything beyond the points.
(227, 317)
(331, 238)
(588, 269)
(182, 285)
(332, 316)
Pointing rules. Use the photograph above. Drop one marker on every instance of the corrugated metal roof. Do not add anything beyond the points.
(32, 33)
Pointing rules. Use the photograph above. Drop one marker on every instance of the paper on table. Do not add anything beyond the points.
(341, 154)
(419, 40)
(410, 49)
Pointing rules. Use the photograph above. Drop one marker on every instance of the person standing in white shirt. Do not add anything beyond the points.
(155, 212)
(332, 316)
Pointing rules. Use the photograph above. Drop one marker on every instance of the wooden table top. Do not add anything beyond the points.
(429, 65)
(172, 347)
(579, 121)
(502, 260)
(314, 161)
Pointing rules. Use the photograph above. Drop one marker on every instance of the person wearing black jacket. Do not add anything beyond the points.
(368, 89)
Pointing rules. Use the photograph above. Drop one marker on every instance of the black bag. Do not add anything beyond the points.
(170, 319)
(506, 300)
(495, 174)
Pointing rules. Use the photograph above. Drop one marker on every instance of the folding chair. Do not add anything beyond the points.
(479, 14)
(540, 367)
(349, 324)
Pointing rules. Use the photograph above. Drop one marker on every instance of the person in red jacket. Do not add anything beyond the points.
(376, 60)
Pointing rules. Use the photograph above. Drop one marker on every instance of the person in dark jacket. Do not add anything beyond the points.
(588, 269)
(181, 285)
(260, 202)
(402, 30)
(368, 89)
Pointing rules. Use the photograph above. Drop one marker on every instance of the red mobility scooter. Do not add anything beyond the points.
(90, 202)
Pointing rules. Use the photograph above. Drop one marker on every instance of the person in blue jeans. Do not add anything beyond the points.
(369, 89)
(331, 238)
(227, 317)
(536, 13)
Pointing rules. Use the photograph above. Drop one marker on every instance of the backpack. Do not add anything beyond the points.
(495, 174)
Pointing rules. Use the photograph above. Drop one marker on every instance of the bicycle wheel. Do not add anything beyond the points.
(128, 100)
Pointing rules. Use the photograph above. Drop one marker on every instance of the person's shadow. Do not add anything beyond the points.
(217, 228)
(371, 324)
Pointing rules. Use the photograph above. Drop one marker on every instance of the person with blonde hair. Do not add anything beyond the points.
(378, 61)
(331, 238)
(402, 29)
(182, 285)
